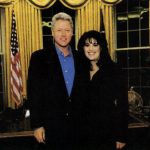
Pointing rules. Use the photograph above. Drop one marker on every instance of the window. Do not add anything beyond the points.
(133, 24)
(133, 44)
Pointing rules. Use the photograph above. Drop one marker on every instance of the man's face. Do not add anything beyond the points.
(62, 33)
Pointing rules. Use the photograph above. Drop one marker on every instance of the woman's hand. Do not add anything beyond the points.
(39, 134)
(120, 145)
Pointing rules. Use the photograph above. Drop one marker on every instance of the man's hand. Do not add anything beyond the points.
(39, 134)
(120, 145)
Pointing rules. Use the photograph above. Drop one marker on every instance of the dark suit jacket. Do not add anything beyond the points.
(50, 105)
(108, 105)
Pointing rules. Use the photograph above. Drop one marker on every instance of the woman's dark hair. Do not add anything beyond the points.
(101, 40)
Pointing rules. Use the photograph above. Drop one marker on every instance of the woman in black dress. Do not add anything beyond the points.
(108, 101)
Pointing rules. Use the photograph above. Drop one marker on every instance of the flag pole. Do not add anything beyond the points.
(15, 66)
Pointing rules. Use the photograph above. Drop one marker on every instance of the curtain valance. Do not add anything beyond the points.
(110, 2)
(72, 4)
(5, 3)
(76, 4)
(43, 4)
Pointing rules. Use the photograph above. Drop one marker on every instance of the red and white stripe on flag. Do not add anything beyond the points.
(16, 73)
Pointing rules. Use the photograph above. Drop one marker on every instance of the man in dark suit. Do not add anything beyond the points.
(56, 89)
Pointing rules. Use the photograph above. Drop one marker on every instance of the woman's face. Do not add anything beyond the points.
(92, 49)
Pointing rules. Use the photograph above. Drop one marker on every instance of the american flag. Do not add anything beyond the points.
(16, 73)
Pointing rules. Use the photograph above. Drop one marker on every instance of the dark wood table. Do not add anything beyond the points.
(29, 133)
(16, 134)
(23, 128)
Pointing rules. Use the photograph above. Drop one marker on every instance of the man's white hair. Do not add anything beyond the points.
(61, 16)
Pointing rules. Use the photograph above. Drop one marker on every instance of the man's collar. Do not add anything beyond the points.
(61, 53)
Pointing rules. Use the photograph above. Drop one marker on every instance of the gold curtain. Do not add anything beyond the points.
(109, 25)
(29, 31)
(87, 18)
(90, 17)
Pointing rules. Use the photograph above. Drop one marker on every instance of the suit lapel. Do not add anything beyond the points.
(75, 75)
(53, 63)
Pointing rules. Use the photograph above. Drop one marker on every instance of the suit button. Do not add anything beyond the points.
(69, 99)
(67, 114)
